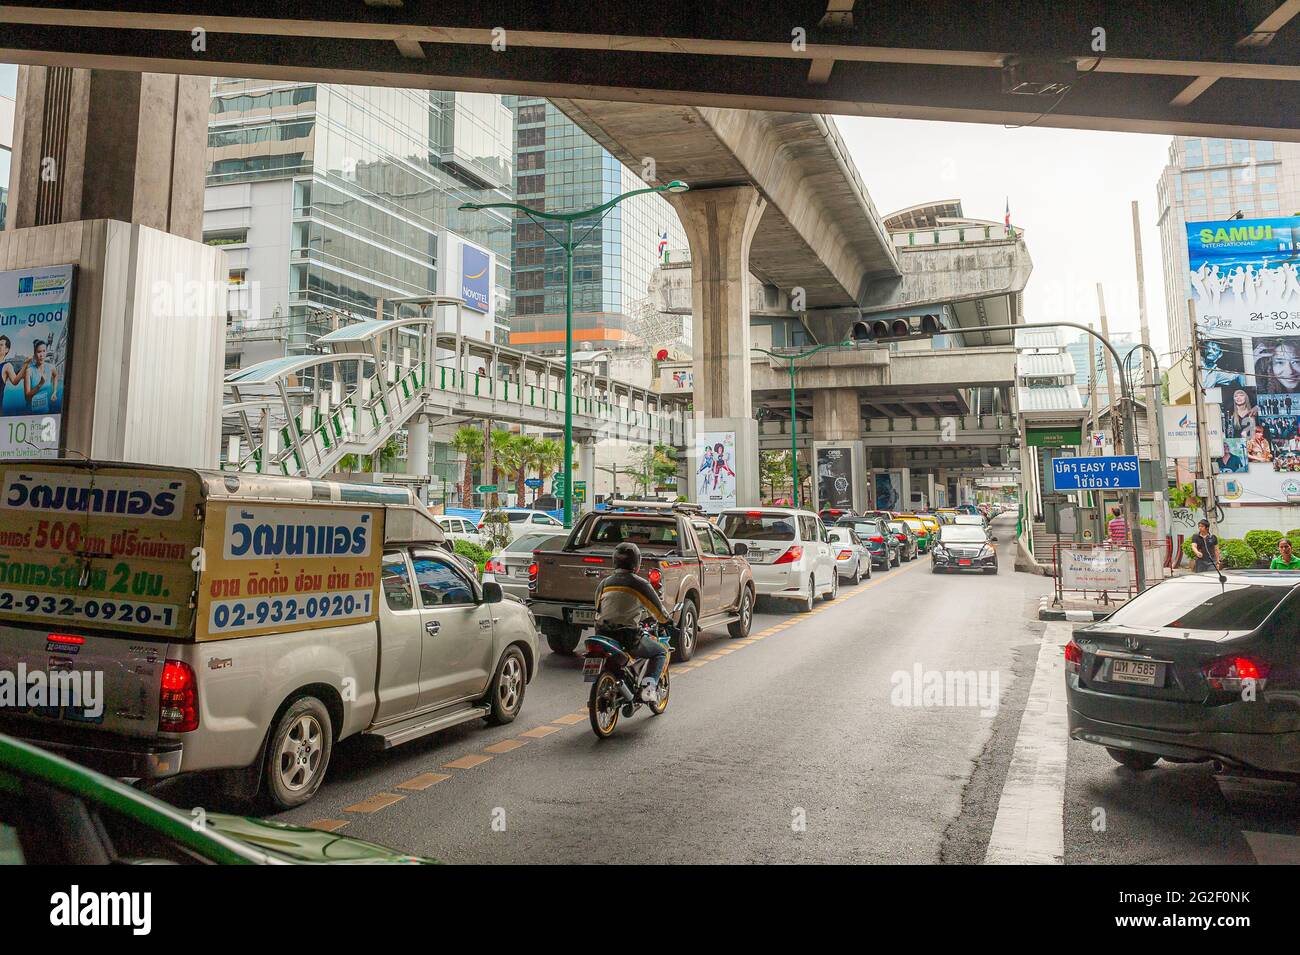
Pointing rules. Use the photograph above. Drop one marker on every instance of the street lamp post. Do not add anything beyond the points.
(568, 245)
(791, 364)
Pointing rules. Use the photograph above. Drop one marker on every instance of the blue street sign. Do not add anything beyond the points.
(532, 482)
(1083, 474)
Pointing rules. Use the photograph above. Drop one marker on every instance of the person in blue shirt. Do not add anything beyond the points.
(40, 381)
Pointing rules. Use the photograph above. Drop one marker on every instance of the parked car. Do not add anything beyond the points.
(104, 822)
(875, 533)
(852, 556)
(908, 548)
(964, 547)
(687, 560)
(1194, 670)
(461, 529)
(524, 521)
(320, 612)
(789, 552)
(509, 566)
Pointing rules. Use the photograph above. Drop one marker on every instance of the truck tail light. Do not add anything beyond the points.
(178, 701)
(532, 577)
(1232, 673)
(1073, 657)
(656, 578)
(790, 556)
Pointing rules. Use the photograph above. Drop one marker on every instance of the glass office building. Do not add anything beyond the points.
(8, 92)
(329, 199)
(559, 168)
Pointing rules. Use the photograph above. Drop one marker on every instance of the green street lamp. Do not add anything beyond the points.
(792, 359)
(568, 245)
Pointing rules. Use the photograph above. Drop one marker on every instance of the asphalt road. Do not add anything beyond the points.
(796, 747)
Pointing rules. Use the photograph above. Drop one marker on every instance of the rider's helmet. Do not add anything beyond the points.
(627, 556)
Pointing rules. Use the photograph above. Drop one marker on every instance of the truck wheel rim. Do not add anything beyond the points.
(510, 684)
(300, 753)
(688, 631)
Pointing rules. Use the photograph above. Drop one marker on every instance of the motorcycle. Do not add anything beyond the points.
(615, 676)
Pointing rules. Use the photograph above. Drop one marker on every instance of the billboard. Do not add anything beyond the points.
(35, 334)
(475, 277)
(715, 475)
(835, 477)
(1246, 286)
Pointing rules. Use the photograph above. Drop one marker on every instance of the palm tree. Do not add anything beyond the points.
(469, 442)
(550, 455)
(507, 456)
(526, 451)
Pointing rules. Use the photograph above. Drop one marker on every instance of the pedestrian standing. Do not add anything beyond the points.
(1117, 528)
(1285, 559)
(1206, 548)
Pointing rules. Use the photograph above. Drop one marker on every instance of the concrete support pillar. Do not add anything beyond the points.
(417, 445)
(837, 414)
(105, 144)
(719, 225)
(587, 468)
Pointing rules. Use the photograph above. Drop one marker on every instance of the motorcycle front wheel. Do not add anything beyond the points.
(603, 706)
(657, 708)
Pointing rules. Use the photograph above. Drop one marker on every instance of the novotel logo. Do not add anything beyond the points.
(475, 281)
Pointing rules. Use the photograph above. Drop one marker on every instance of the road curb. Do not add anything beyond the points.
(1047, 612)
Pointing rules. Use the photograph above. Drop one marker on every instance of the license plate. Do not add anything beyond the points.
(1141, 672)
(963, 563)
(582, 616)
(519, 571)
(591, 668)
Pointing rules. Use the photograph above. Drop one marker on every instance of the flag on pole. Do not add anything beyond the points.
(1007, 220)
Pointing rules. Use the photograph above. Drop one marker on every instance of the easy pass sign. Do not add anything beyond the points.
(1082, 474)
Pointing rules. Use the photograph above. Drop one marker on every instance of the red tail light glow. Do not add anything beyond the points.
(593, 560)
(494, 566)
(1233, 673)
(178, 701)
(68, 639)
(790, 556)
(876, 540)
(845, 555)
(656, 577)
(1073, 657)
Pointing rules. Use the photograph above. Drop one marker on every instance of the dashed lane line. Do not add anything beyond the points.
(422, 782)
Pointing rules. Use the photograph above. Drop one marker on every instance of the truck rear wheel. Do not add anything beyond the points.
(687, 634)
(298, 753)
(561, 637)
(740, 628)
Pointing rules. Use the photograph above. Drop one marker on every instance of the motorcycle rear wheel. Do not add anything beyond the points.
(657, 708)
(603, 705)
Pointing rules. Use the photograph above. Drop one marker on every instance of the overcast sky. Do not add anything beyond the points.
(1069, 190)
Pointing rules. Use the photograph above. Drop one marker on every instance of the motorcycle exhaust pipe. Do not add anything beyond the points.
(625, 693)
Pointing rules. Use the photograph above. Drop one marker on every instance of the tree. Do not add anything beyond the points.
(550, 455)
(649, 465)
(469, 442)
(508, 458)
(774, 471)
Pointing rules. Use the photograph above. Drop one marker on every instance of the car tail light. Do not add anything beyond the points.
(790, 556)
(656, 578)
(901, 537)
(876, 540)
(1232, 673)
(753, 513)
(178, 702)
(494, 566)
(593, 560)
(1073, 657)
(845, 555)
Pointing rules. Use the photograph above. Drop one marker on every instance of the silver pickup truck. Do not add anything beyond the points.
(239, 624)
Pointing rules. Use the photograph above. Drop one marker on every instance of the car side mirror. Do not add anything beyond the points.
(740, 549)
(492, 592)
(993, 539)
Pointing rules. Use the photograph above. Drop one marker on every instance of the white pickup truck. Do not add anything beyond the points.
(156, 621)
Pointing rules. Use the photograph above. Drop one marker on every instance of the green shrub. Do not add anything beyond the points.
(1263, 543)
(1236, 553)
(1294, 537)
(471, 551)
(1187, 550)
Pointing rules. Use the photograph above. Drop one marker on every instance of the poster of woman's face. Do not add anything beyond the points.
(1277, 365)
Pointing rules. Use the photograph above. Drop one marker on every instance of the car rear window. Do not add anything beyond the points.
(611, 530)
(1200, 605)
(758, 527)
(962, 534)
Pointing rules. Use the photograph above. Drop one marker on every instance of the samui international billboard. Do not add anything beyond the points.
(1245, 282)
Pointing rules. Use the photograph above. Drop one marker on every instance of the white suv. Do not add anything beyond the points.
(790, 552)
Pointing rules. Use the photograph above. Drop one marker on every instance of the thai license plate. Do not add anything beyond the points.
(591, 668)
(1141, 672)
(963, 563)
(582, 616)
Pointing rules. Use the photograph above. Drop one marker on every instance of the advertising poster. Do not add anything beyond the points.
(475, 278)
(715, 475)
(270, 567)
(110, 548)
(889, 490)
(835, 477)
(1244, 283)
(35, 331)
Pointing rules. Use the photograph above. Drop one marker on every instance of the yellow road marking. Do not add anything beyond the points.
(712, 656)
(422, 781)
(374, 803)
(327, 825)
(537, 732)
(569, 719)
(467, 762)
(505, 746)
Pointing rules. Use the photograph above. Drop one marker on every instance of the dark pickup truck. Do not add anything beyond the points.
(687, 559)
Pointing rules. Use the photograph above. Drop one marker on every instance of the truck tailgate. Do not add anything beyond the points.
(570, 577)
(116, 690)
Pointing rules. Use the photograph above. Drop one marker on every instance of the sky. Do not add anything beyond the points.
(1070, 190)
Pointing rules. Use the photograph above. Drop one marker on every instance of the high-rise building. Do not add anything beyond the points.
(331, 199)
(1214, 179)
(8, 91)
(559, 168)
(1086, 371)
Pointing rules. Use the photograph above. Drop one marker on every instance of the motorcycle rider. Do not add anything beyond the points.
(622, 600)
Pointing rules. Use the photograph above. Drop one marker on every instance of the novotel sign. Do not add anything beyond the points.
(475, 278)
(1096, 473)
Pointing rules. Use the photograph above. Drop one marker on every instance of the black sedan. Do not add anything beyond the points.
(1194, 670)
(883, 543)
(964, 547)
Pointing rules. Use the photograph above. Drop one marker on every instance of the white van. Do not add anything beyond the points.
(240, 624)
(790, 552)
